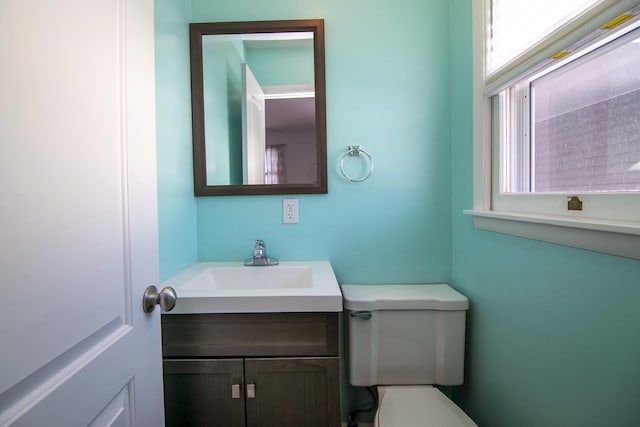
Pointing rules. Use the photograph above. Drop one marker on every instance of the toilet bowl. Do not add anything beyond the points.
(418, 406)
(404, 339)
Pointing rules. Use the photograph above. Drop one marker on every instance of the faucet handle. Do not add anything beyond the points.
(260, 255)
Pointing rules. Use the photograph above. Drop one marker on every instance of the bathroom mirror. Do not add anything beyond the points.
(258, 107)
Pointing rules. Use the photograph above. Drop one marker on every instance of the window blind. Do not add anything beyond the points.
(520, 34)
(517, 25)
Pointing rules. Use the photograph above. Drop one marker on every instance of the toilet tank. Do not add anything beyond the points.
(405, 334)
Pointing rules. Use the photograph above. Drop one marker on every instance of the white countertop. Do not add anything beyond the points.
(197, 293)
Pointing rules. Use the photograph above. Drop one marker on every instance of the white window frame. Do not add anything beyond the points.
(545, 219)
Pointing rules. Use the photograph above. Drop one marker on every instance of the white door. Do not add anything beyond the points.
(254, 134)
(78, 227)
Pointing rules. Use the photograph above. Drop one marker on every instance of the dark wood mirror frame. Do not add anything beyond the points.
(196, 31)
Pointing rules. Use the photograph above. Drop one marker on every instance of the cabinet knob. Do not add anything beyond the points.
(251, 391)
(235, 391)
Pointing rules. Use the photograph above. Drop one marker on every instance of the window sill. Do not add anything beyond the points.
(610, 237)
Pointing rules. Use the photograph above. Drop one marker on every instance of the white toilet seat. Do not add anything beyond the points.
(418, 406)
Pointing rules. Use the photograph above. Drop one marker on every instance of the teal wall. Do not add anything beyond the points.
(282, 66)
(176, 204)
(554, 332)
(387, 75)
(222, 61)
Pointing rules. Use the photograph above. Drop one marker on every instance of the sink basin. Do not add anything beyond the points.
(272, 277)
(231, 287)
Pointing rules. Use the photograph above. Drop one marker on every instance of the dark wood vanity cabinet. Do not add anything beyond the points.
(198, 392)
(253, 370)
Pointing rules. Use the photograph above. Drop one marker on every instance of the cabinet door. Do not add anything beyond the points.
(293, 392)
(200, 393)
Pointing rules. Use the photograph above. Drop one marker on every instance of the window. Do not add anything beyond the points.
(274, 167)
(581, 131)
(557, 119)
(585, 123)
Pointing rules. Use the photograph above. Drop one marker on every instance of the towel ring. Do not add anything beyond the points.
(353, 151)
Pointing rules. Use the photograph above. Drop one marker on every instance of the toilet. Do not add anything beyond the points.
(404, 339)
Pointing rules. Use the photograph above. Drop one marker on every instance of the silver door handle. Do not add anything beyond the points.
(166, 299)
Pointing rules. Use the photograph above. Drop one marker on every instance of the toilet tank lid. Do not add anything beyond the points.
(403, 297)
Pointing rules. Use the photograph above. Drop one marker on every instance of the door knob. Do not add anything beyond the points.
(166, 299)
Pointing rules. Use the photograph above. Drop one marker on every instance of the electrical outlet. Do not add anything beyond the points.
(289, 211)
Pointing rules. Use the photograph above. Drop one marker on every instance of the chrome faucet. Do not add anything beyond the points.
(260, 257)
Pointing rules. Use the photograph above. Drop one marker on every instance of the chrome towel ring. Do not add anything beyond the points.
(355, 151)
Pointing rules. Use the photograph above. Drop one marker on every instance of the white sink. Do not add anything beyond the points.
(231, 287)
(271, 277)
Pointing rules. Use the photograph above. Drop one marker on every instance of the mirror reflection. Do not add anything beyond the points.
(260, 130)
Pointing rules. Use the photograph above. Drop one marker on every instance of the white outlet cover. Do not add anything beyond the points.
(290, 211)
